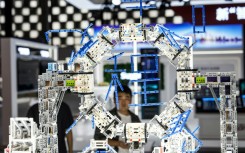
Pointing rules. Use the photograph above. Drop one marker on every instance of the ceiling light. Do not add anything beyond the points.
(2, 4)
(116, 2)
(44, 53)
(24, 51)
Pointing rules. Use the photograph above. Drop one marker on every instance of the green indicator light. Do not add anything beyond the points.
(70, 83)
(200, 80)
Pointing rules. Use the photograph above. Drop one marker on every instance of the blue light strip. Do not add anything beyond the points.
(74, 123)
(194, 18)
(84, 33)
(141, 12)
(169, 35)
(146, 92)
(71, 58)
(171, 32)
(198, 141)
(115, 70)
(86, 149)
(82, 51)
(108, 91)
(93, 123)
(209, 99)
(177, 124)
(148, 104)
(197, 128)
(115, 56)
(183, 147)
(115, 80)
(143, 80)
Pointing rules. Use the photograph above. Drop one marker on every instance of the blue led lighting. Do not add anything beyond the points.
(209, 99)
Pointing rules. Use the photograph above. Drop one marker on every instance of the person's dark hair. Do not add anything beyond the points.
(126, 90)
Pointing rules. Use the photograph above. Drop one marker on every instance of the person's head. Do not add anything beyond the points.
(124, 97)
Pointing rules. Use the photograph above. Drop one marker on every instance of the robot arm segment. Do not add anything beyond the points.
(108, 124)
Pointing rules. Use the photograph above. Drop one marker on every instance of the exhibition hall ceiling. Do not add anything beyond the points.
(98, 4)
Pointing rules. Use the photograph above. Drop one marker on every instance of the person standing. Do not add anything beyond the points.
(124, 114)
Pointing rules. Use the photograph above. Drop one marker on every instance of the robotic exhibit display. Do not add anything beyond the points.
(169, 125)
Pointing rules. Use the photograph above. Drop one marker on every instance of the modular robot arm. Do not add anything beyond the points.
(169, 126)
